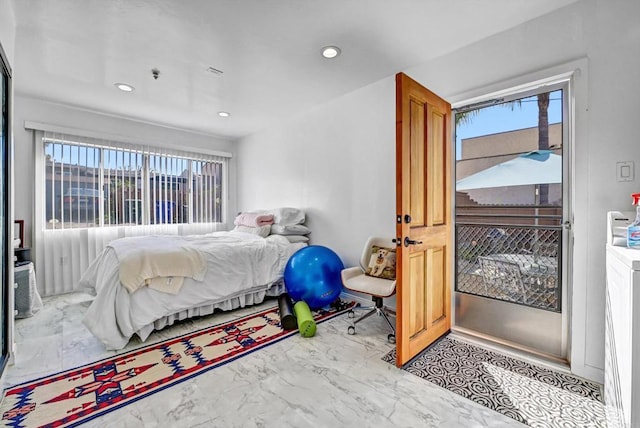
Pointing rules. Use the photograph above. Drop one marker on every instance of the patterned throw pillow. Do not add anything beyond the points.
(382, 263)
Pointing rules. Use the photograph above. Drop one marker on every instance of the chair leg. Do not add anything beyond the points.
(377, 309)
(365, 316)
(386, 318)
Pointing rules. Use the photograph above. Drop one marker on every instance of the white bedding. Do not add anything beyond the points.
(237, 264)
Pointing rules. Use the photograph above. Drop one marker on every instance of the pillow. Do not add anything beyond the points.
(260, 231)
(289, 229)
(287, 215)
(253, 219)
(277, 238)
(382, 263)
(296, 238)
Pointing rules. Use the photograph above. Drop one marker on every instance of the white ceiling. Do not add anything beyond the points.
(73, 51)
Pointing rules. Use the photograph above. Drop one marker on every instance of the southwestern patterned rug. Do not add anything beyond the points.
(77, 395)
(530, 394)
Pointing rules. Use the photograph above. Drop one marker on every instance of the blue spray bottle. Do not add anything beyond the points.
(633, 231)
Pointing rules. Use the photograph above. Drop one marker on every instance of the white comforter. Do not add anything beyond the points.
(237, 263)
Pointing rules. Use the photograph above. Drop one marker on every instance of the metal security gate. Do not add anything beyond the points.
(515, 263)
(509, 277)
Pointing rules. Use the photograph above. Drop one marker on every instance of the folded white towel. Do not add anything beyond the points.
(144, 258)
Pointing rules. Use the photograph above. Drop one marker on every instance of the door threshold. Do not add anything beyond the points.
(511, 349)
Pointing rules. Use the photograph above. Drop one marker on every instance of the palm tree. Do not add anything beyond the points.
(465, 117)
(543, 139)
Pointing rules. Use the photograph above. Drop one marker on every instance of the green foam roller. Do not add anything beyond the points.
(306, 323)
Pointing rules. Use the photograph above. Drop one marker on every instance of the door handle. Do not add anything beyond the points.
(408, 242)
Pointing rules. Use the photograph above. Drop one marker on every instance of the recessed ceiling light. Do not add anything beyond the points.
(330, 51)
(124, 87)
(224, 114)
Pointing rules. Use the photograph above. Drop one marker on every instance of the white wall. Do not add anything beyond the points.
(50, 113)
(338, 161)
(7, 29)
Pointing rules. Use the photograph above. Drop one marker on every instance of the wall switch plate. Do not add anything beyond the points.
(625, 171)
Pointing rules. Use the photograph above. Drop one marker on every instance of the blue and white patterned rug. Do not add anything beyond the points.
(530, 394)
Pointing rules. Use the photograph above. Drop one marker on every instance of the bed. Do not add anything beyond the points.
(241, 269)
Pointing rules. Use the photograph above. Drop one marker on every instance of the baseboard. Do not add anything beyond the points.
(588, 372)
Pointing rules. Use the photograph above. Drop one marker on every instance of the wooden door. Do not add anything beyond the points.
(423, 207)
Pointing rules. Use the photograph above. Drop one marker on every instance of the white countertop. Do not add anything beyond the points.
(628, 256)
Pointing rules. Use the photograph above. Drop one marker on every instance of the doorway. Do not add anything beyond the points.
(511, 220)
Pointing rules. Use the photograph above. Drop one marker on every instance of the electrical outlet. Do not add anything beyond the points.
(64, 260)
(625, 171)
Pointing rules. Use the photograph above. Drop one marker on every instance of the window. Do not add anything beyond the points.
(90, 183)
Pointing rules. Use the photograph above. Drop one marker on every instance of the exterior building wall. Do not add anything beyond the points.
(483, 152)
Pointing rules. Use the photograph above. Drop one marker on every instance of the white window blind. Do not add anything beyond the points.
(95, 183)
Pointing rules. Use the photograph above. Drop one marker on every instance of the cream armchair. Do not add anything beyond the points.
(357, 279)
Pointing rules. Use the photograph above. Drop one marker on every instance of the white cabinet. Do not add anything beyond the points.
(622, 343)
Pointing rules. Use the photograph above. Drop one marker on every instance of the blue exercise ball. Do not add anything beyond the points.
(312, 274)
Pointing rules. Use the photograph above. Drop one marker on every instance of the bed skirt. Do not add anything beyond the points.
(252, 298)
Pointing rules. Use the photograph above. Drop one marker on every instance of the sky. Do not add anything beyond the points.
(494, 119)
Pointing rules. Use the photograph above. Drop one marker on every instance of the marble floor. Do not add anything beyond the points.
(330, 380)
